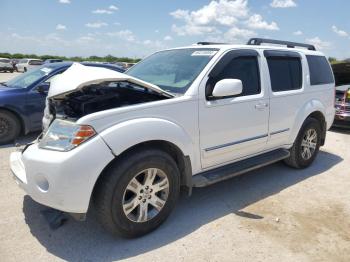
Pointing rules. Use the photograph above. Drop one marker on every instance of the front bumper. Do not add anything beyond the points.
(61, 180)
(342, 118)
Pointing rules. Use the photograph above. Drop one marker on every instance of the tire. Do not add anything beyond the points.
(11, 71)
(10, 127)
(299, 156)
(111, 193)
(24, 69)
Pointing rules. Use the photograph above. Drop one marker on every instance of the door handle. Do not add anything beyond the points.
(261, 106)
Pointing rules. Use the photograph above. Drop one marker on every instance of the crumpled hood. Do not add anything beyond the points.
(78, 76)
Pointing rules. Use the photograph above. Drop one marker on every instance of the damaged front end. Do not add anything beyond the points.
(84, 90)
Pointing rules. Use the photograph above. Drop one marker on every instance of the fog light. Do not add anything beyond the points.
(42, 183)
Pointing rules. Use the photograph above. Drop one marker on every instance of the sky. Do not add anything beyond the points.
(137, 28)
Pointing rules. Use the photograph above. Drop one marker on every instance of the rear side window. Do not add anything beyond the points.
(243, 68)
(285, 73)
(320, 71)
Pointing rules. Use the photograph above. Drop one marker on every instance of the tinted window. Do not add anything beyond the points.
(320, 71)
(35, 62)
(245, 69)
(285, 73)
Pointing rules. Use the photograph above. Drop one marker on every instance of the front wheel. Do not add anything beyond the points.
(306, 145)
(137, 193)
(10, 127)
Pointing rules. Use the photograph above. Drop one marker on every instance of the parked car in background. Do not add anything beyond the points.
(124, 144)
(22, 99)
(342, 95)
(48, 61)
(26, 64)
(6, 65)
(125, 65)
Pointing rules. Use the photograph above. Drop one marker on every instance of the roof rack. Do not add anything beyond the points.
(210, 43)
(259, 41)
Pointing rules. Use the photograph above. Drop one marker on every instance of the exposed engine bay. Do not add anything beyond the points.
(98, 97)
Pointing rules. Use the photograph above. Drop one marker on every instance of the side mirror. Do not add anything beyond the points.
(227, 87)
(43, 88)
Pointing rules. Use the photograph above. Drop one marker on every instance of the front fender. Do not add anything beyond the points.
(308, 108)
(132, 132)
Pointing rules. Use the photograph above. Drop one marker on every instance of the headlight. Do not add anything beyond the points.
(64, 135)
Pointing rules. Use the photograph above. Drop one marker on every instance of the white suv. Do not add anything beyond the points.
(124, 144)
(24, 65)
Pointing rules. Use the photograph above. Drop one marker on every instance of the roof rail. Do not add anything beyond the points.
(210, 43)
(259, 41)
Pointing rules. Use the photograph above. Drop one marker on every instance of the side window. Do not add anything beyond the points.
(320, 70)
(244, 68)
(35, 62)
(285, 73)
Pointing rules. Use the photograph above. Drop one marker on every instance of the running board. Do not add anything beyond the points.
(231, 170)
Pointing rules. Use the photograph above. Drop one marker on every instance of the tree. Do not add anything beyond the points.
(332, 60)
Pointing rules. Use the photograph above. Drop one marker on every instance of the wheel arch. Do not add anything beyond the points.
(183, 162)
(314, 109)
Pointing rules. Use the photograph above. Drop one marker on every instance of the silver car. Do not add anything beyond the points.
(6, 65)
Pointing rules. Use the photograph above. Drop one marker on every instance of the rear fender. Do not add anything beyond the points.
(308, 108)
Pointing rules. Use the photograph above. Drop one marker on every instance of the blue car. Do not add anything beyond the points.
(22, 99)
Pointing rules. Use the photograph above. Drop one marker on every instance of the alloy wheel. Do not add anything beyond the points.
(145, 195)
(309, 143)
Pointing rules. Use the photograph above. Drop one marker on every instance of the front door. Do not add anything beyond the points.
(233, 127)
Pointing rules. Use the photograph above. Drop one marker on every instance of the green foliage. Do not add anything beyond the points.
(332, 60)
(108, 58)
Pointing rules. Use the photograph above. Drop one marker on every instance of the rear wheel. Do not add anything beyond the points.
(10, 127)
(306, 145)
(137, 193)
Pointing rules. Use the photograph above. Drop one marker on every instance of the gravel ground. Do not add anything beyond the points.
(272, 214)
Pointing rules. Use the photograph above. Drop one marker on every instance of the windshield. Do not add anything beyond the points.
(173, 70)
(26, 79)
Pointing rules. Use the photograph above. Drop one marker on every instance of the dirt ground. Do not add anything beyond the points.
(272, 214)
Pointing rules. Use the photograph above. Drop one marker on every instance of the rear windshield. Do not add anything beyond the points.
(320, 70)
(4, 60)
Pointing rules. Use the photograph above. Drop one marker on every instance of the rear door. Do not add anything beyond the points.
(233, 127)
(287, 96)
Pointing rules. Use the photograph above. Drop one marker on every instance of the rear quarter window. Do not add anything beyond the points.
(320, 70)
